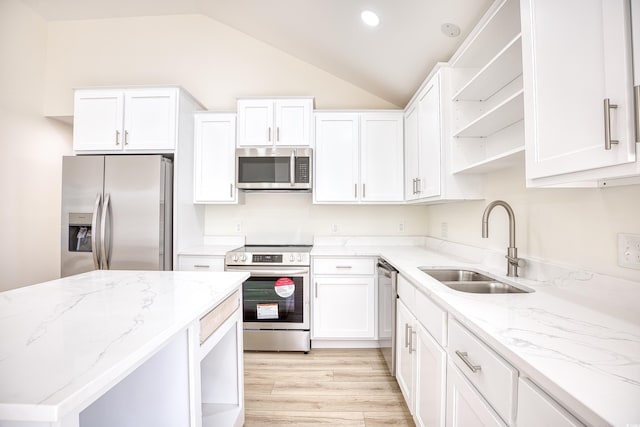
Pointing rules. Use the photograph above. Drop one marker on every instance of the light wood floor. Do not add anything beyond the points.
(325, 387)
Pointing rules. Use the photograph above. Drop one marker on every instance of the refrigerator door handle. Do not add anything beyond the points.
(95, 234)
(103, 233)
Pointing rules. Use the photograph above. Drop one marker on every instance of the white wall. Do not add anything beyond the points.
(32, 147)
(576, 227)
(212, 61)
(269, 217)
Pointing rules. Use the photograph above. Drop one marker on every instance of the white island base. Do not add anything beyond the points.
(137, 349)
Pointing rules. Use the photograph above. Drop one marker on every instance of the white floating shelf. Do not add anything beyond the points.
(505, 67)
(508, 112)
(510, 158)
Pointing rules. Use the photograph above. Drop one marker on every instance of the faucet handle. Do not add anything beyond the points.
(520, 262)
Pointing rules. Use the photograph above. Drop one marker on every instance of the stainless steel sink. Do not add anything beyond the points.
(471, 281)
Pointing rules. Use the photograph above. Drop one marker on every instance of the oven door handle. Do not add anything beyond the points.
(271, 272)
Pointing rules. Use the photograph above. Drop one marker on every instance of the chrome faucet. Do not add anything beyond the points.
(512, 252)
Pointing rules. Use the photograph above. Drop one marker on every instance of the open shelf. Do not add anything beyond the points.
(510, 158)
(499, 72)
(508, 112)
(216, 414)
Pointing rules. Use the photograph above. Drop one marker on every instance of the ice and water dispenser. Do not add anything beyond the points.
(80, 232)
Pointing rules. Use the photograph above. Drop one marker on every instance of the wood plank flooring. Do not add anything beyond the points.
(333, 387)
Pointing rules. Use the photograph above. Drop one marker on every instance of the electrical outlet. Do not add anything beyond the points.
(444, 230)
(238, 227)
(401, 227)
(334, 228)
(629, 250)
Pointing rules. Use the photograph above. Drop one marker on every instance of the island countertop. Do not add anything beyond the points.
(65, 342)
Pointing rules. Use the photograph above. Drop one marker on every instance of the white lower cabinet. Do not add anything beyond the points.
(200, 263)
(430, 378)
(536, 408)
(344, 291)
(465, 405)
(420, 363)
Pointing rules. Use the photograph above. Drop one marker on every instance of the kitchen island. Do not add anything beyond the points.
(123, 348)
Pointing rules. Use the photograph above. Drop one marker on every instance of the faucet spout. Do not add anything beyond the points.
(512, 252)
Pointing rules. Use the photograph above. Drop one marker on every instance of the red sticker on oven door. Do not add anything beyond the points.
(284, 287)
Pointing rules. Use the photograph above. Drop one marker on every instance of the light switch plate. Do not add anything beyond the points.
(629, 250)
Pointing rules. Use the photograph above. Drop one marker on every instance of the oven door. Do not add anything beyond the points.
(275, 298)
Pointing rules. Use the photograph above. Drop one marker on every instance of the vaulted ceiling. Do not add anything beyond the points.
(389, 61)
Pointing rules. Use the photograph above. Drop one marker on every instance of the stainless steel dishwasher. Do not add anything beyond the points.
(387, 294)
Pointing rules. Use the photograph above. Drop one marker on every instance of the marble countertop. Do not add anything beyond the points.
(587, 358)
(68, 340)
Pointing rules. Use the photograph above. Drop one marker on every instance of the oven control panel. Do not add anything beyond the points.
(274, 259)
(267, 258)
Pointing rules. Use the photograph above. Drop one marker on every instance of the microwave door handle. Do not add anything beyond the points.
(292, 167)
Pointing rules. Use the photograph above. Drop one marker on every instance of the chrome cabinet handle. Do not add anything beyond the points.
(292, 167)
(201, 266)
(414, 186)
(607, 124)
(411, 334)
(117, 137)
(418, 185)
(465, 358)
(103, 232)
(316, 289)
(231, 190)
(636, 101)
(364, 191)
(95, 234)
(344, 266)
(126, 137)
(355, 191)
(278, 134)
(406, 335)
(269, 134)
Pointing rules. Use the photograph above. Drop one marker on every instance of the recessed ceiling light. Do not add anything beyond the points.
(370, 18)
(450, 30)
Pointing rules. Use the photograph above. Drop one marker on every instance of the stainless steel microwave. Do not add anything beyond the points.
(273, 168)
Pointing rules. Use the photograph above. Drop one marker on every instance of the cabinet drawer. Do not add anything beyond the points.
(432, 317)
(494, 377)
(407, 293)
(536, 408)
(344, 266)
(216, 317)
(200, 263)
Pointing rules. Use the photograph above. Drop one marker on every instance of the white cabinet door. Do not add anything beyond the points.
(576, 54)
(344, 307)
(381, 158)
(150, 119)
(465, 405)
(405, 362)
(536, 408)
(255, 122)
(214, 168)
(97, 121)
(293, 121)
(411, 153)
(430, 139)
(430, 378)
(336, 158)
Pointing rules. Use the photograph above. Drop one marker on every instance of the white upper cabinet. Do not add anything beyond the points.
(358, 158)
(274, 122)
(428, 149)
(381, 157)
(214, 165)
(110, 120)
(578, 90)
(336, 158)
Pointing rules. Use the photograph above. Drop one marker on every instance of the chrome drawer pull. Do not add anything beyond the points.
(344, 266)
(201, 266)
(465, 358)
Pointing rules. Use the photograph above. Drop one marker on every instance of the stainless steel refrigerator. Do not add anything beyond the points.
(116, 213)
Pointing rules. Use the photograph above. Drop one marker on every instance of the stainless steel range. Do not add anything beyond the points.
(275, 297)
